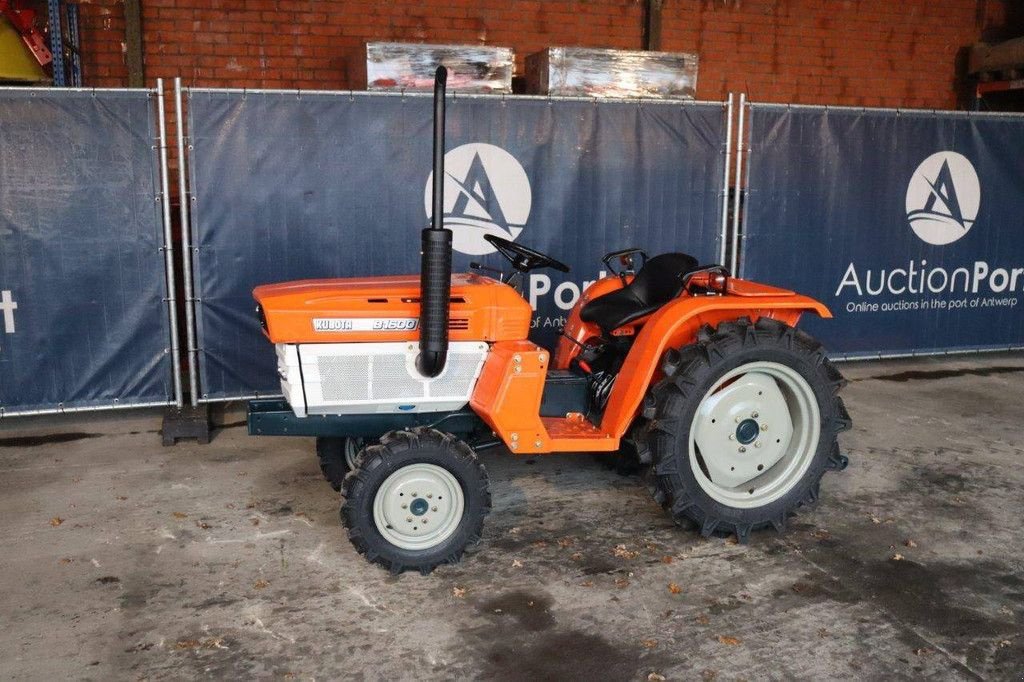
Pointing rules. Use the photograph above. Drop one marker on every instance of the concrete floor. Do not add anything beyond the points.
(125, 560)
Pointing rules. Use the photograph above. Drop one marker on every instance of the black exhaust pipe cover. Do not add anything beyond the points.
(436, 262)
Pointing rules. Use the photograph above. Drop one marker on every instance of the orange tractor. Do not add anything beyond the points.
(699, 377)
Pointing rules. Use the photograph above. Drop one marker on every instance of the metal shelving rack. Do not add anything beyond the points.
(64, 18)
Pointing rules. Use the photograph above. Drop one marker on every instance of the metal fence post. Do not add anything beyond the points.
(744, 220)
(192, 353)
(165, 199)
(725, 181)
(737, 192)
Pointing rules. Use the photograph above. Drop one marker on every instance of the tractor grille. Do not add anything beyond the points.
(343, 379)
(374, 377)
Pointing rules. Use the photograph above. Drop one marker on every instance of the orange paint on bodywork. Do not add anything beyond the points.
(576, 329)
(676, 324)
(507, 397)
(482, 308)
(508, 393)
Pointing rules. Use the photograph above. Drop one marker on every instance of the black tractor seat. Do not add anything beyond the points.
(658, 282)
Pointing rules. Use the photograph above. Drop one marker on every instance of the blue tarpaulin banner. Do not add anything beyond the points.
(308, 185)
(909, 226)
(83, 312)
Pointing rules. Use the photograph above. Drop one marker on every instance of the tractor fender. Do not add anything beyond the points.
(676, 324)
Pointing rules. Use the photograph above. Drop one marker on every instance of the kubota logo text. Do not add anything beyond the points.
(486, 191)
(943, 198)
(364, 324)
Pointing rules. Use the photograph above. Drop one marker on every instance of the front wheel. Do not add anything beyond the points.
(416, 500)
(337, 457)
(745, 425)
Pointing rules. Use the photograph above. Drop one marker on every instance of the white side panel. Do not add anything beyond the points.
(291, 381)
(367, 378)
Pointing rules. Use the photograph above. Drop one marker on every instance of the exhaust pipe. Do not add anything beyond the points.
(436, 262)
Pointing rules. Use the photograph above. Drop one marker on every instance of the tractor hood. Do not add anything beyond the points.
(379, 309)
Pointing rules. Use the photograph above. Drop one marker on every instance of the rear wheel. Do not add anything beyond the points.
(337, 457)
(632, 458)
(416, 500)
(745, 425)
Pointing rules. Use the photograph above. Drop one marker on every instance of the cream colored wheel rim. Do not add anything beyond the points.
(351, 449)
(418, 507)
(754, 435)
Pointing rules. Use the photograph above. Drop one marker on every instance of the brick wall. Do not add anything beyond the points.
(860, 52)
(101, 32)
(899, 53)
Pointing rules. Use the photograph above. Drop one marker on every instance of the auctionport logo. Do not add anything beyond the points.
(943, 197)
(486, 191)
(942, 203)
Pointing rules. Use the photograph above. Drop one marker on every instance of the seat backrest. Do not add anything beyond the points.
(660, 279)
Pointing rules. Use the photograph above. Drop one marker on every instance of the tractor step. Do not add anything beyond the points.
(575, 434)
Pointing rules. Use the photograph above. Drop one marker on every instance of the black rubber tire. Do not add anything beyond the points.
(690, 373)
(633, 457)
(622, 462)
(396, 450)
(330, 451)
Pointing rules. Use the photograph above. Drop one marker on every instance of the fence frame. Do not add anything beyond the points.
(189, 236)
(167, 248)
(740, 232)
(185, 197)
(737, 150)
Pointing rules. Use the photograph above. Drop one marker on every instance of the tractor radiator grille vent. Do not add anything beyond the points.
(458, 323)
(363, 378)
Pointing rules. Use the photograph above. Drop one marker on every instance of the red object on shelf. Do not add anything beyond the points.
(999, 86)
(23, 20)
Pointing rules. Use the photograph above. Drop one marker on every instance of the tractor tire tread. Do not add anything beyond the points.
(330, 453)
(691, 366)
(394, 448)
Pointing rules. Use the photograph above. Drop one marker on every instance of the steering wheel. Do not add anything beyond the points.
(522, 257)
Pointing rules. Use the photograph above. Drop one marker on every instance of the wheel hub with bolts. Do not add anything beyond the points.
(754, 434)
(748, 431)
(418, 507)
